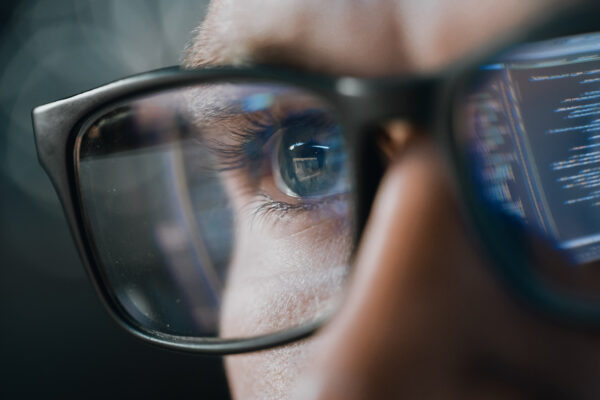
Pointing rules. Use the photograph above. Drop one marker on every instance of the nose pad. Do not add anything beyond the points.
(394, 138)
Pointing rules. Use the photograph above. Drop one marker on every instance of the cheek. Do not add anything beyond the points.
(279, 281)
(287, 266)
(285, 270)
(271, 374)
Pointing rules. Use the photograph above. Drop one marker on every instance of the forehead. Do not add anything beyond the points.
(360, 37)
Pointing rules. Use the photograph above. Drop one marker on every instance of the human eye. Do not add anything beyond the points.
(309, 160)
(284, 160)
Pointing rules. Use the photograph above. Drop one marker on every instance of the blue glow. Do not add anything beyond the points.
(257, 102)
(491, 67)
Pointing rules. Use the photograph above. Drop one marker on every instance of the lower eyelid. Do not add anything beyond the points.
(285, 209)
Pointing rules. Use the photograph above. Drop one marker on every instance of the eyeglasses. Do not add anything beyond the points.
(217, 210)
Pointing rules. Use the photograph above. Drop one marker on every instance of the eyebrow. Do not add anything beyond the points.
(228, 36)
(286, 44)
(206, 51)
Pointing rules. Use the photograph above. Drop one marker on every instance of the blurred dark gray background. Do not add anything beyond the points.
(56, 340)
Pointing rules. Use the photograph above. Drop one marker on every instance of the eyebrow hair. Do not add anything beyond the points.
(289, 43)
(204, 50)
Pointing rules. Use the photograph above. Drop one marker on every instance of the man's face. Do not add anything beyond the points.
(423, 315)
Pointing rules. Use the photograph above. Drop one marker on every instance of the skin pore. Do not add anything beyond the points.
(424, 316)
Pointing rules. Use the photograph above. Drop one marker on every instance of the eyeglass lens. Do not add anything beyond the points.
(530, 128)
(221, 209)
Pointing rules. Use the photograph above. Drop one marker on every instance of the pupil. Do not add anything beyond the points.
(310, 160)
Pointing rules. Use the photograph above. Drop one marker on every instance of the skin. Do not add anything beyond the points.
(424, 316)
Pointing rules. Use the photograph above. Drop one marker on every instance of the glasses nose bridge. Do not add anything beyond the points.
(379, 101)
(391, 114)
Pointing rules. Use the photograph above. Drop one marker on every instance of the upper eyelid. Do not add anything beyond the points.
(250, 138)
(236, 155)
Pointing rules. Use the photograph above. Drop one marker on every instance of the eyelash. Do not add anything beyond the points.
(269, 207)
(248, 148)
(248, 153)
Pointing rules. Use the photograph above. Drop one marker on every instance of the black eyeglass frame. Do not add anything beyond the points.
(361, 105)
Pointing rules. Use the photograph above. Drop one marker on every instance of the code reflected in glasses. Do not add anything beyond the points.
(536, 123)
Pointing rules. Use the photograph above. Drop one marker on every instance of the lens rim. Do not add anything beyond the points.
(101, 271)
(67, 120)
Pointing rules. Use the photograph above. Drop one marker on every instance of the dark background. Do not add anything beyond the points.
(56, 340)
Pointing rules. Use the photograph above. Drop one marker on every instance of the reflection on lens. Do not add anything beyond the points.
(531, 130)
(219, 210)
